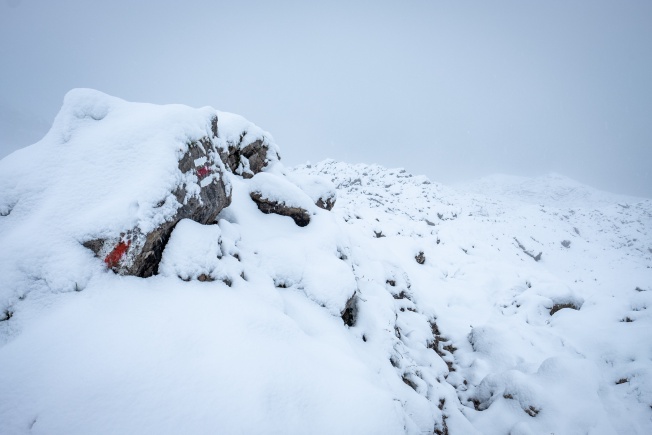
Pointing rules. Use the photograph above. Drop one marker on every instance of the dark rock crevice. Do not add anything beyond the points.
(350, 313)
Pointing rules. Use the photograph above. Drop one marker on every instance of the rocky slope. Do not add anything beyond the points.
(332, 298)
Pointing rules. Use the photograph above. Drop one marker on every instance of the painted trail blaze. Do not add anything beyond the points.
(203, 171)
(118, 252)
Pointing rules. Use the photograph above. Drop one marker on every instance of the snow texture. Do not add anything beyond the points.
(278, 189)
(256, 325)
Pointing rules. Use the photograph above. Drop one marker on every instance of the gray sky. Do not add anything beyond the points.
(453, 90)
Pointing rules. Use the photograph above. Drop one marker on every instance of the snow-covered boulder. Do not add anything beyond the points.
(130, 171)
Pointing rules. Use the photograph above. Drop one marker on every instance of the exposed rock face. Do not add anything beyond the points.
(137, 252)
(266, 205)
(246, 159)
(231, 144)
(199, 160)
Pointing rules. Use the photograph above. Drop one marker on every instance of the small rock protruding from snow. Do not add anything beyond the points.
(267, 206)
(574, 304)
(274, 194)
(350, 313)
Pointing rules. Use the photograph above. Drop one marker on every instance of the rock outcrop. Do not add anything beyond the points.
(200, 198)
(233, 147)
(246, 160)
(239, 148)
(138, 170)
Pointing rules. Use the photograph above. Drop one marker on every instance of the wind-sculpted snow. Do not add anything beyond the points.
(409, 307)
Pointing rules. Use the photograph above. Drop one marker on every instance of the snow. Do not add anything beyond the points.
(315, 186)
(234, 131)
(278, 189)
(201, 360)
(193, 250)
(245, 328)
(493, 301)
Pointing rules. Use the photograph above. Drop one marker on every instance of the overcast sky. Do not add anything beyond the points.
(451, 89)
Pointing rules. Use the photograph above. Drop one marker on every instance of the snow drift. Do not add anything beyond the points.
(331, 298)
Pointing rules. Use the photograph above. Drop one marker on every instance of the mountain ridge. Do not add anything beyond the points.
(407, 307)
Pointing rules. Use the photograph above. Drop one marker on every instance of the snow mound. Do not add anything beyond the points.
(319, 189)
(193, 252)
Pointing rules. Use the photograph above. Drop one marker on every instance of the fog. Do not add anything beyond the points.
(452, 90)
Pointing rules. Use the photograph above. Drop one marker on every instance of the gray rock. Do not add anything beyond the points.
(327, 203)
(350, 313)
(246, 160)
(298, 214)
(138, 253)
(201, 194)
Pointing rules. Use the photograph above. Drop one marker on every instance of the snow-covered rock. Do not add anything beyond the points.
(275, 194)
(244, 148)
(131, 172)
(200, 195)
